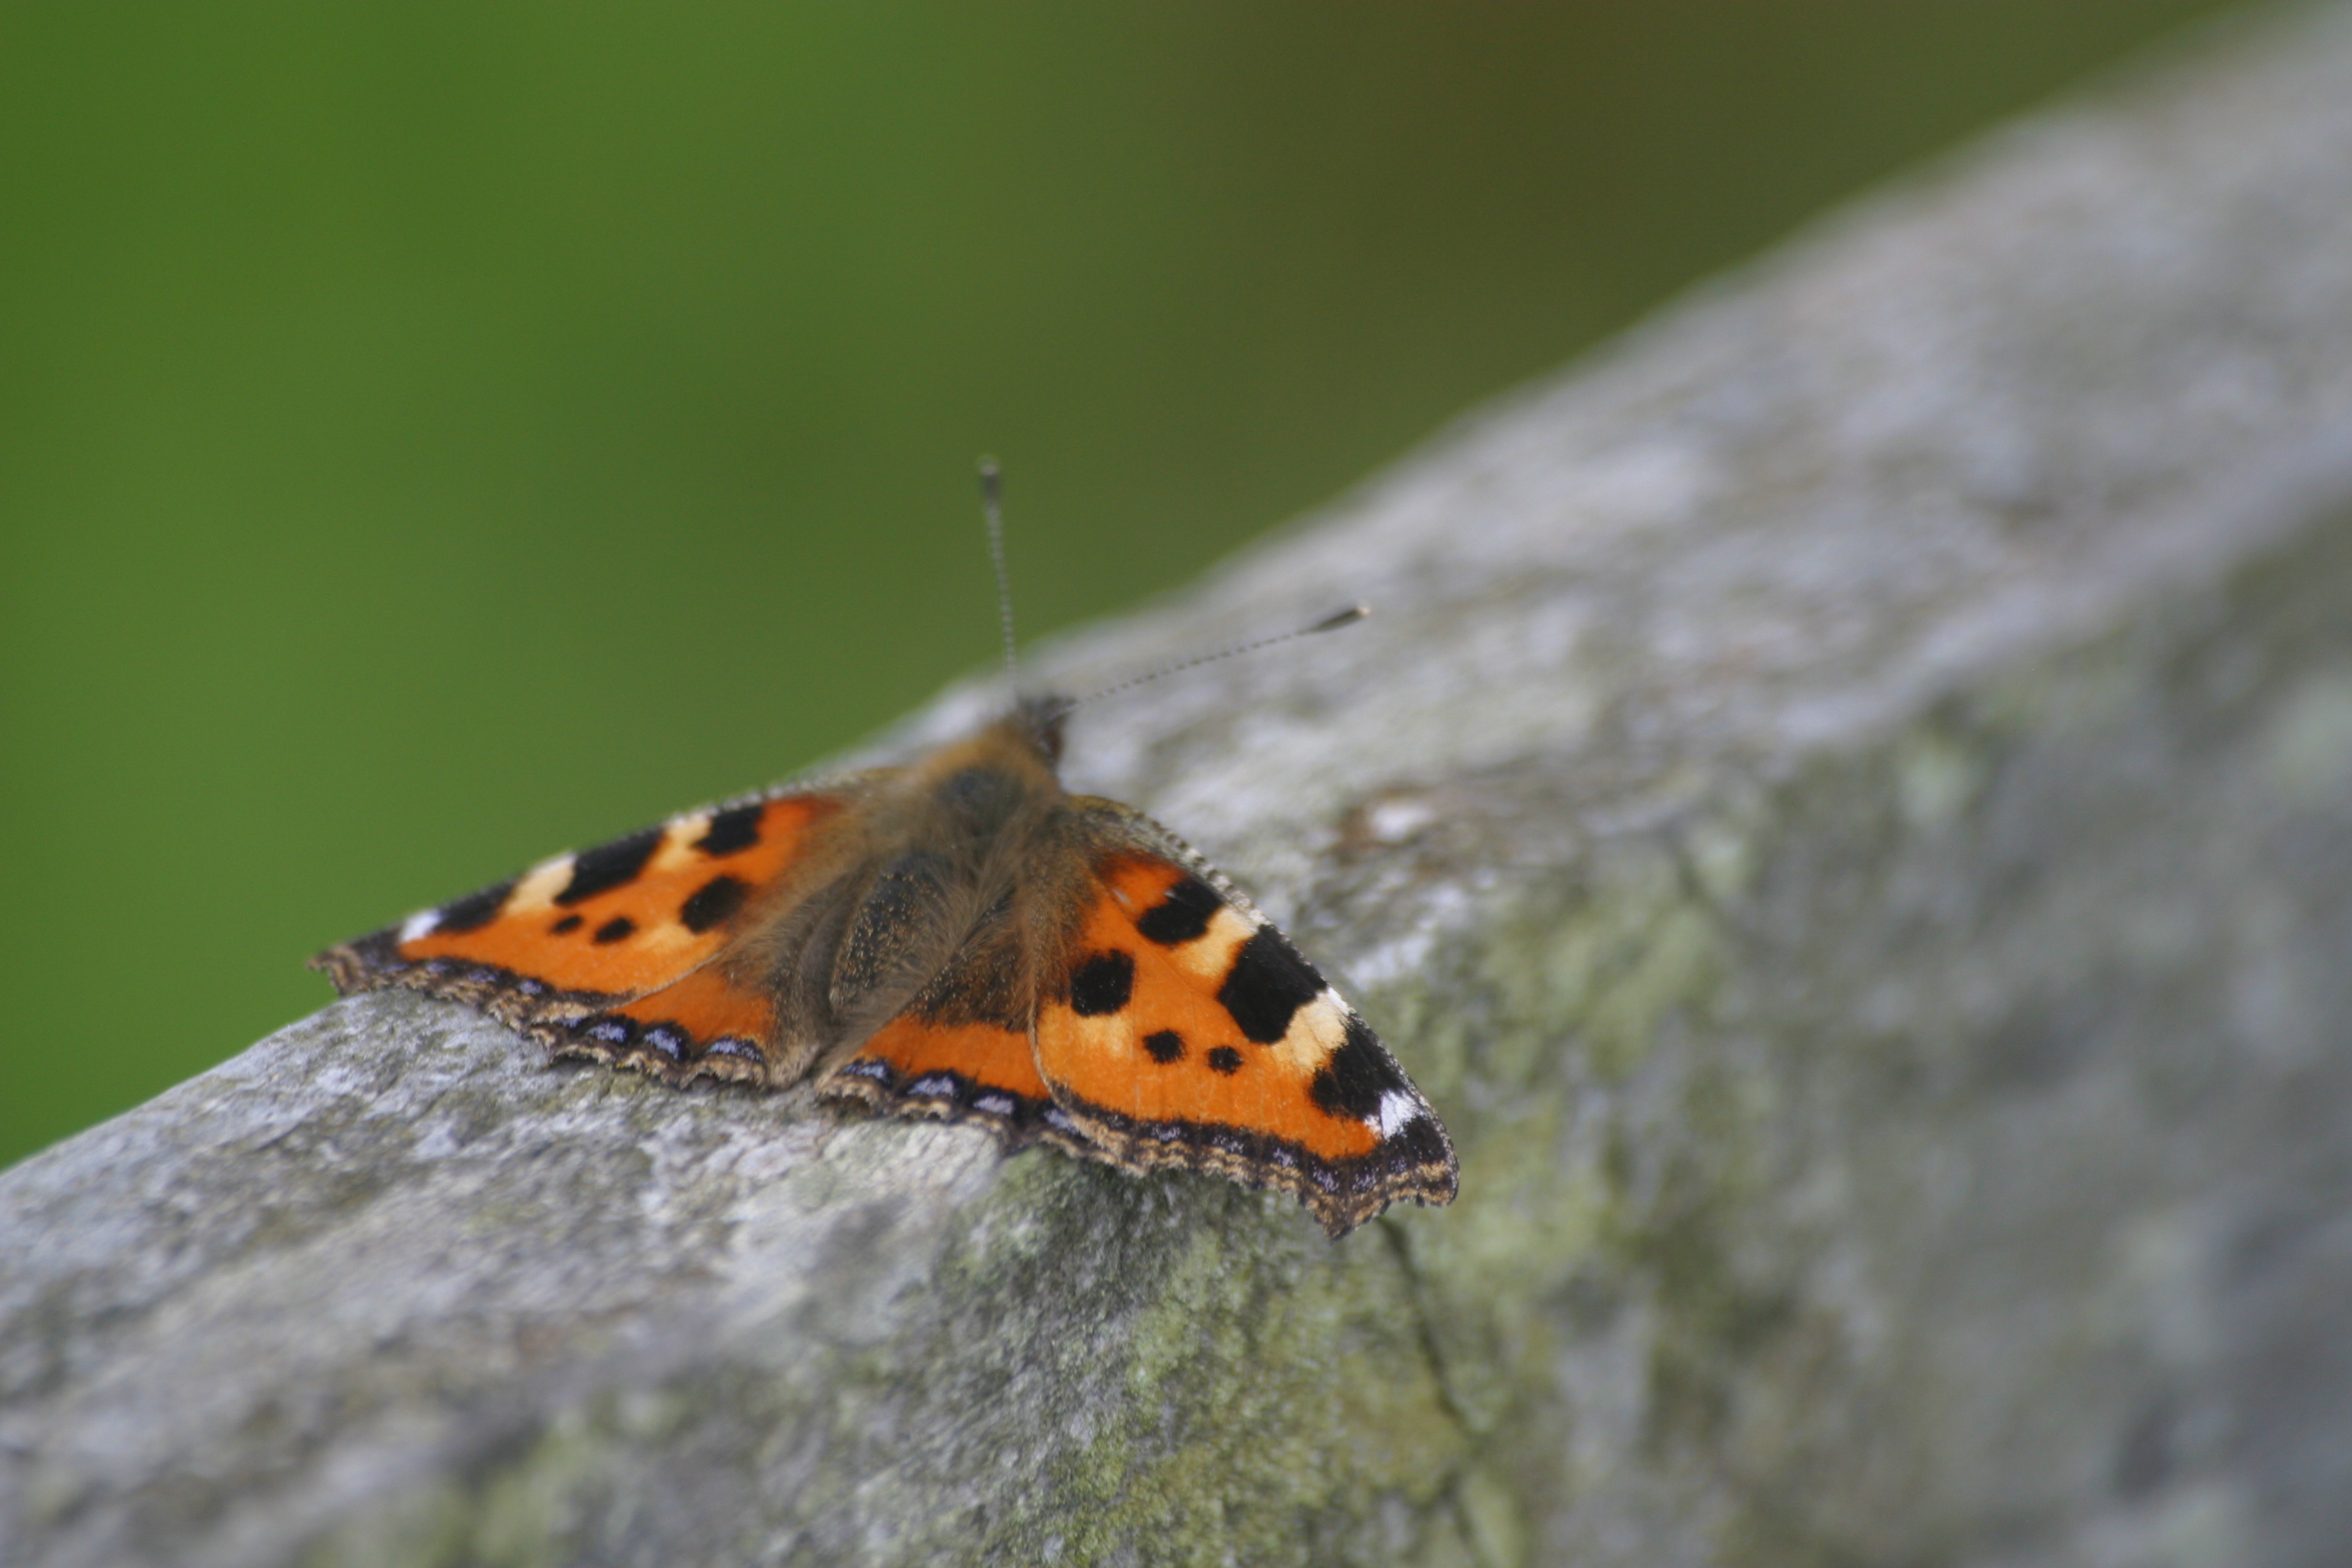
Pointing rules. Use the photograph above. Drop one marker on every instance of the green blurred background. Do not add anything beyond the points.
(432, 435)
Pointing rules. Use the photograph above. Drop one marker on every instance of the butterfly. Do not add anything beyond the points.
(959, 940)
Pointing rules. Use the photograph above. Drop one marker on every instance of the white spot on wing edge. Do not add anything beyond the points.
(421, 923)
(1398, 1107)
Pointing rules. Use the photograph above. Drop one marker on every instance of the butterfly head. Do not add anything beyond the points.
(1041, 720)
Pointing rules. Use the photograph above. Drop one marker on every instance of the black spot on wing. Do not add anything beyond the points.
(1417, 1143)
(713, 902)
(1225, 1059)
(1268, 983)
(567, 924)
(1102, 984)
(473, 911)
(736, 828)
(618, 929)
(1183, 914)
(1357, 1074)
(1165, 1046)
(609, 866)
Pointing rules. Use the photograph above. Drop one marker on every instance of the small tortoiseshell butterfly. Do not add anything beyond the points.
(962, 939)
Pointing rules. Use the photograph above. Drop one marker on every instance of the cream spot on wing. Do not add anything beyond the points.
(1210, 955)
(421, 923)
(676, 851)
(1106, 1034)
(669, 936)
(535, 894)
(1397, 1108)
(1317, 1030)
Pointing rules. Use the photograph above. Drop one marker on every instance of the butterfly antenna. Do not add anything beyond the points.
(991, 507)
(1331, 622)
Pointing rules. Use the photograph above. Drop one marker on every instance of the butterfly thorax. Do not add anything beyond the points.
(924, 858)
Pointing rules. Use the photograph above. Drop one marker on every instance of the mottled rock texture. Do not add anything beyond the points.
(1846, 806)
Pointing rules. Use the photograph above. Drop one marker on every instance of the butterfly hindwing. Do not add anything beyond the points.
(707, 1023)
(960, 1051)
(1180, 1028)
(565, 950)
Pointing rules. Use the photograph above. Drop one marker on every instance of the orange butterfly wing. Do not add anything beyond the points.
(1125, 1004)
(607, 953)
(1183, 1029)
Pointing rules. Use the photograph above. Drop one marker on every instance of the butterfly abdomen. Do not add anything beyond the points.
(897, 917)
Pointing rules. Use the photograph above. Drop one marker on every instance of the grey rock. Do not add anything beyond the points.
(1845, 805)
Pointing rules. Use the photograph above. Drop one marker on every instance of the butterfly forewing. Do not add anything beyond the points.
(560, 948)
(1183, 1029)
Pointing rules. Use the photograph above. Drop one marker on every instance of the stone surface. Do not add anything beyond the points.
(1846, 806)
